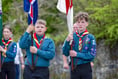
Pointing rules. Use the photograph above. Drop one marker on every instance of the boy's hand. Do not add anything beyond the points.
(70, 37)
(2, 49)
(92, 64)
(73, 53)
(30, 28)
(22, 66)
(33, 49)
(66, 66)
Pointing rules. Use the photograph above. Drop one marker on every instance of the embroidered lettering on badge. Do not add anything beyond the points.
(14, 49)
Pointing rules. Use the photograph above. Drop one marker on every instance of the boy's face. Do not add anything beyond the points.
(82, 24)
(75, 27)
(40, 29)
(6, 33)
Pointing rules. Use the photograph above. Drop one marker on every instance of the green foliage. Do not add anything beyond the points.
(59, 38)
(103, 18)
(6, 4)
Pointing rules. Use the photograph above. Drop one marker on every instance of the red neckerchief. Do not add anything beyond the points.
(80, 38)
(36, 40)
(6, 44)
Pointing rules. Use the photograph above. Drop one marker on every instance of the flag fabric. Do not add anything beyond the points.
(31, 7)
(66, 6)
(61, 6)
(0, 21)
(0, 30)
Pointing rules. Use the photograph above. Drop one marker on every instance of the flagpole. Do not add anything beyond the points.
(68, 9)
(0, 30)
(31, 7)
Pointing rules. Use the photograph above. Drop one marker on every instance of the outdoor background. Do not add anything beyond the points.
(103, 24)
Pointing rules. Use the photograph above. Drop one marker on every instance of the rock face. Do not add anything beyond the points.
(105, 64)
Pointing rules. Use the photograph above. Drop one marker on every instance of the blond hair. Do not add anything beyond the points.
(41, 21)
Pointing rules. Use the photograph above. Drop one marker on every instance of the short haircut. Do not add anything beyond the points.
(82, 15)
(41, 21)
(7, 26)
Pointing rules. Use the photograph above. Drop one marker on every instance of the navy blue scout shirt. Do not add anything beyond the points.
(88, 51)
(11, 52)
(45, 53)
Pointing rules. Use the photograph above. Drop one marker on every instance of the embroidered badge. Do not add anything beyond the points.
(93, 51)
(93, 42)
(87, 40)
(14, 50)
(86, 48)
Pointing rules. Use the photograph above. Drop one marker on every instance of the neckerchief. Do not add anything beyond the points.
(6, 44)
(36, 40)
(80, 38)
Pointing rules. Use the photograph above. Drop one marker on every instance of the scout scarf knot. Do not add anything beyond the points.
(80, 38)
(6, 45)
(36, 40)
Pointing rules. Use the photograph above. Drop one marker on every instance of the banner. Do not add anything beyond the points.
(31, 7)
(0, 21)
(0, 29)
(66, 6)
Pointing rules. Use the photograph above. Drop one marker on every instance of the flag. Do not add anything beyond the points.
(66, 6)
(61, 6)
(0, 21)
(0, 30)
(31, 7)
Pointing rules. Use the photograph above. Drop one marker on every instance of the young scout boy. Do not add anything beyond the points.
(82, 50)
(8, 50)
(38, 55)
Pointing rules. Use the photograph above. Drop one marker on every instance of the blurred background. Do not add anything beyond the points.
(103, 23)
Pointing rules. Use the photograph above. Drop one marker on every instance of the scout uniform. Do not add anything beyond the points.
(40, 60)
(85, 46)
(8, 66)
